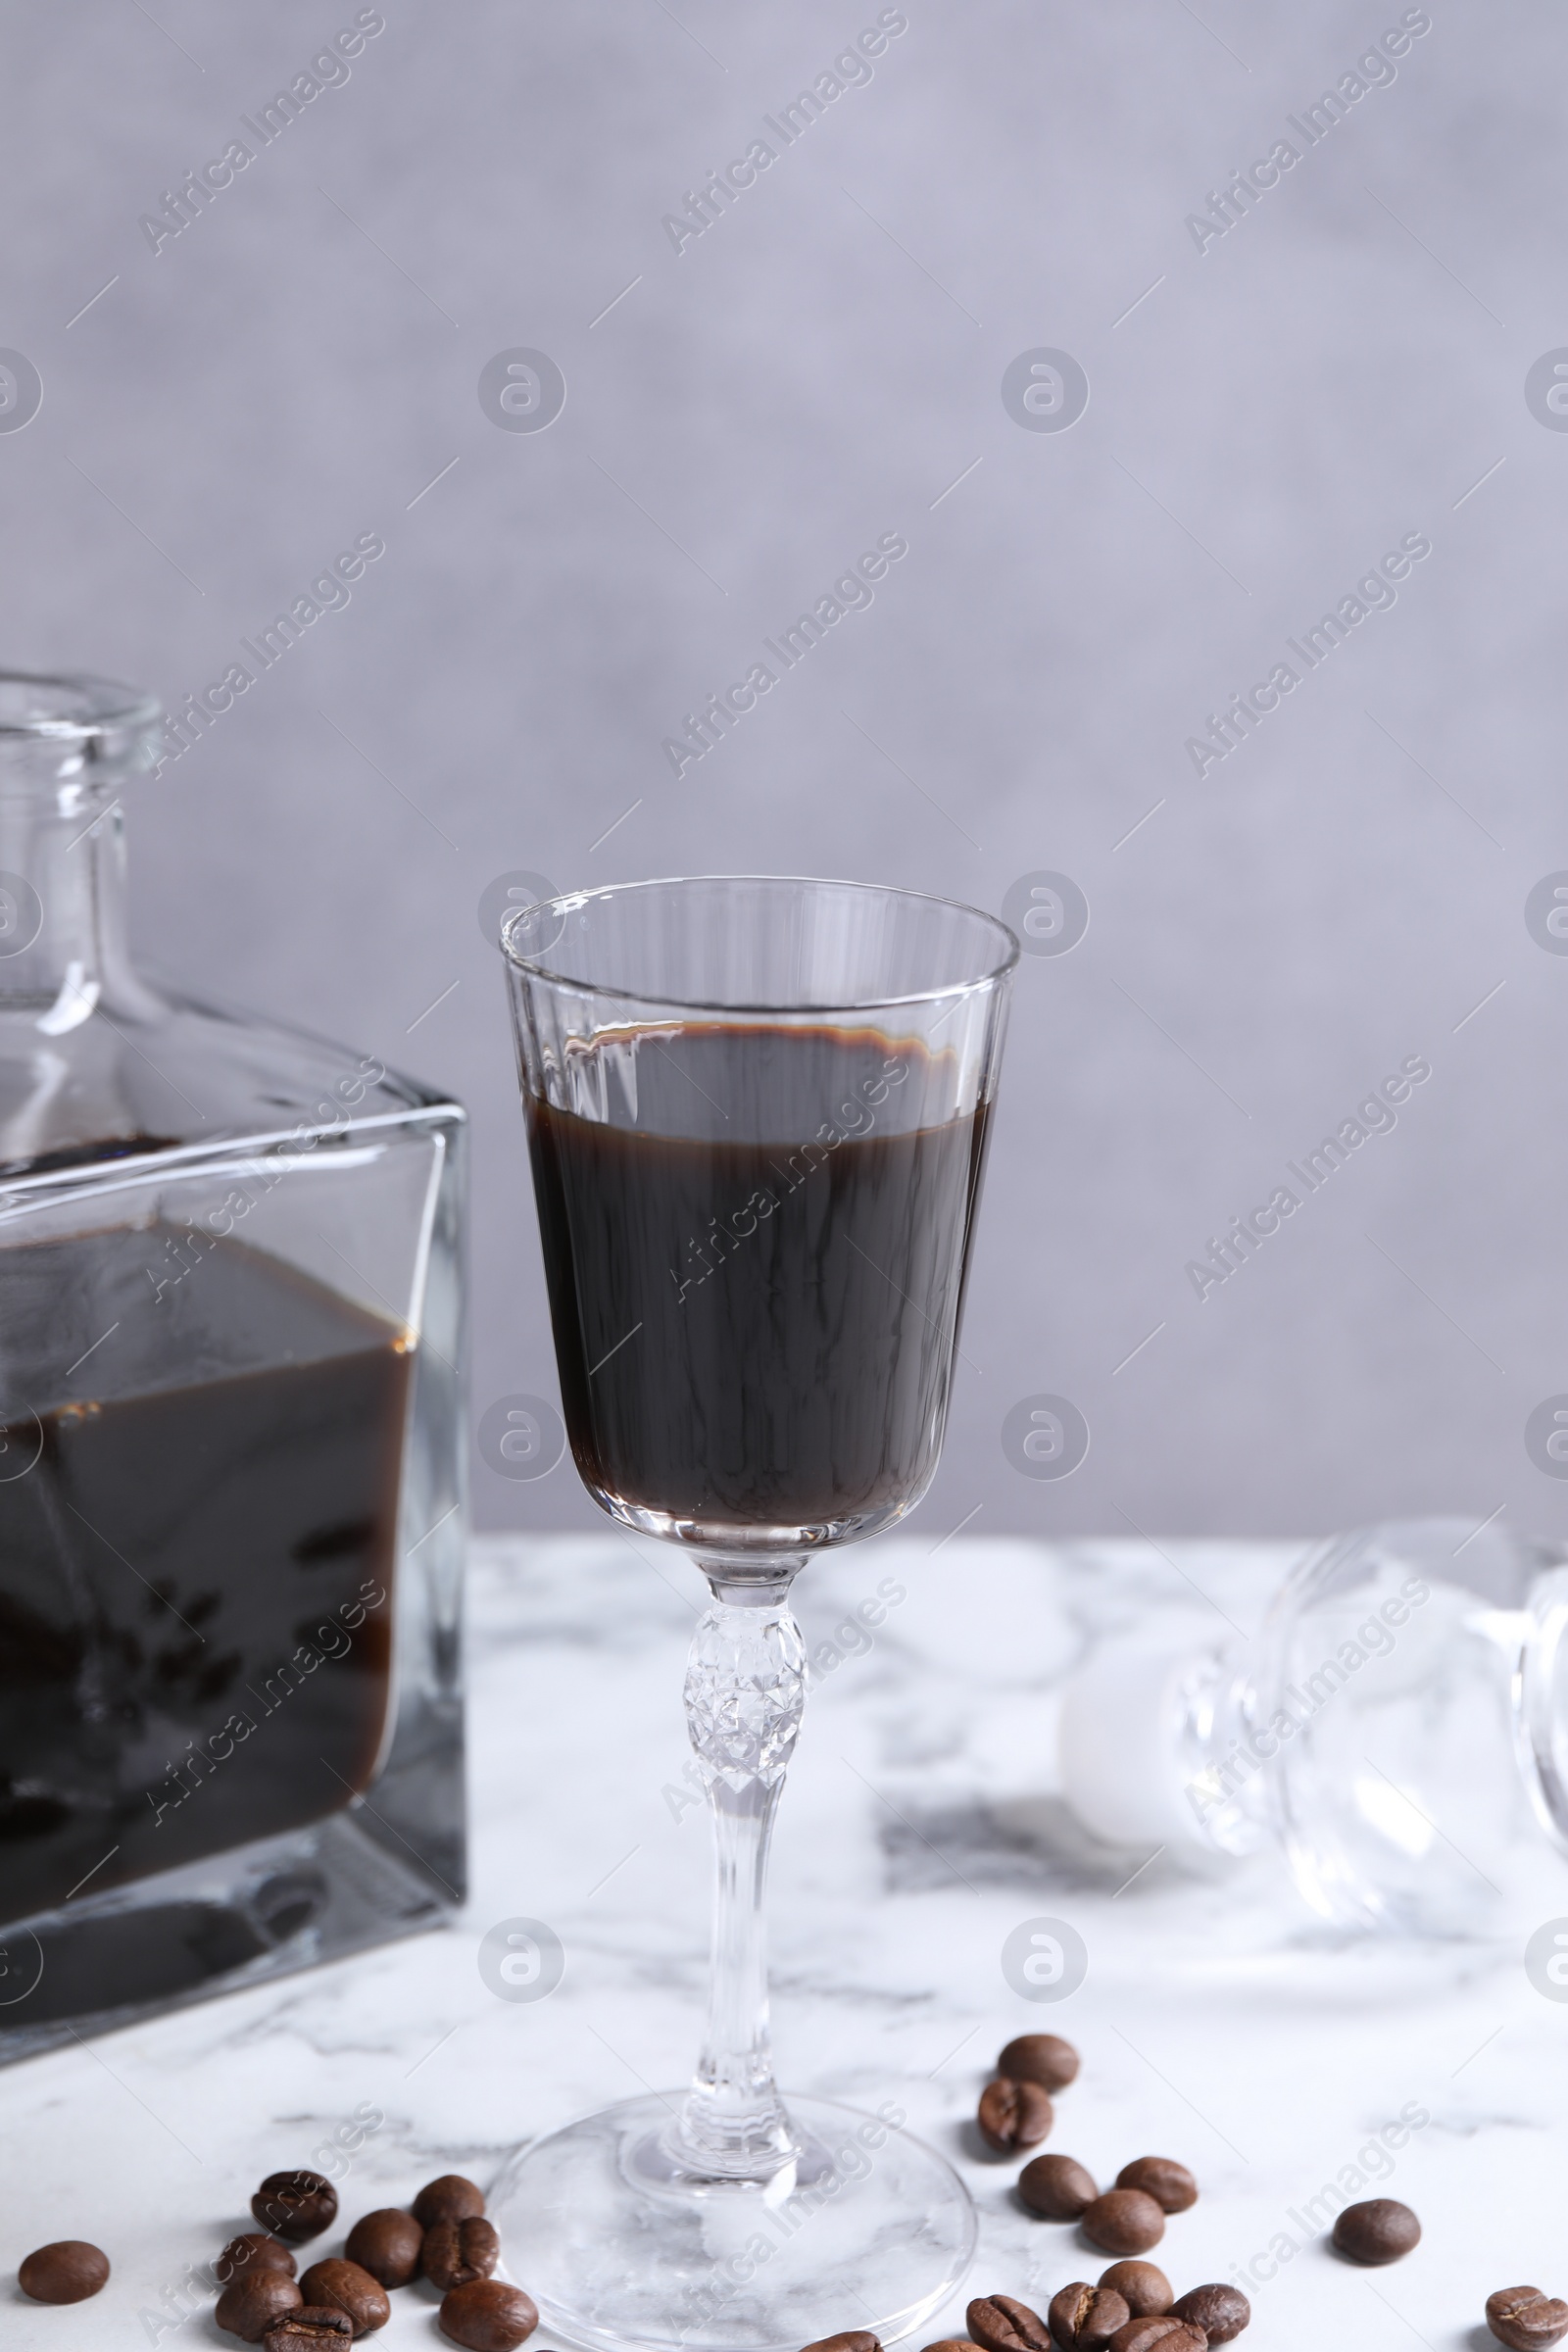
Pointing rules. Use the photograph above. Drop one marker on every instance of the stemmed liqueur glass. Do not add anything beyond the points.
(757, 1111)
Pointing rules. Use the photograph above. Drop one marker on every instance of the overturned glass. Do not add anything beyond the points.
(230, 1469)
(1398, 1726)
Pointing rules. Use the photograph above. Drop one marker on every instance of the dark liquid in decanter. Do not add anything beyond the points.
(197, 1519)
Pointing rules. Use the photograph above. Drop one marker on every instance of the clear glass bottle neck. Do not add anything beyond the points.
(63, 941)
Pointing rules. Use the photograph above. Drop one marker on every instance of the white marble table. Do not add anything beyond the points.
(1217, 2023)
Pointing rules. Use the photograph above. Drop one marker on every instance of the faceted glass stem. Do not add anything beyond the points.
(745, 1695)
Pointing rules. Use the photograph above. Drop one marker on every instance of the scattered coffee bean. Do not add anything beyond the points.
(1380, 2231)
(486, 2316)
(1171, 2335)
(953, 2343)
(1001, 2324)
(1124, 2220)
(1014, 2114)
(309, 2330)
(252, 2252)
(1522, 2317)
(1220, 2310)
(1057, 2188)
(854, 2340)
(1087, 2315)
(1042, 2058)
(1169, 2184)
(295, 2206)
(455, 2252)
(1143, 2287)
(66, 2272)
(449, 2199)
(387, 2244)
(1150, 2328)
(250, 2305)
(345, 2286)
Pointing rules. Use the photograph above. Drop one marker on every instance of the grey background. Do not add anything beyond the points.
(1340, 369)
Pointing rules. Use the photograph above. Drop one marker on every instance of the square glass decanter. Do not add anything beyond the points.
(231, 1481)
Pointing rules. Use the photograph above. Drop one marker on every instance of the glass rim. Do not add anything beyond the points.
(88, 708)
(538, 967)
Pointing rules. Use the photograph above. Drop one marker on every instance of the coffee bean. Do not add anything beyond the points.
(486, 2316)
(295, 2206)
(1171, 2335)
(1042, 2058)
(387, 2244)
(1001, 2324)
(345, 2286)
(455, 2252)
(951, 2343)
(1057, 2188)
(1522, 2317)
(449, 2199)
(1014, 2114)
(66, 2272)
(1150, 2329)
(1380, 2231)
(249, 2253)
(1087, 2315)
(1124, 2220)
(1169, 2184)
(1506, 2303)
(854, 2340)
(250, 2305)
(309, 2330)
(1143, 2287)
(1220, 2310)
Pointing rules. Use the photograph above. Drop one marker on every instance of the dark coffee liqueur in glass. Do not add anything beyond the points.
(755, 1240)
(196, 1540)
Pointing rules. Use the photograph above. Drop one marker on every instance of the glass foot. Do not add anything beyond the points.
(623, 2247)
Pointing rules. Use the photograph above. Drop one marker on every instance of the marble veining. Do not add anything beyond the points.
(1219, 2021)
